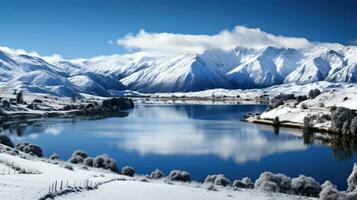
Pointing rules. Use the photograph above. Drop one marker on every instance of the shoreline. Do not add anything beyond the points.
(287, 124)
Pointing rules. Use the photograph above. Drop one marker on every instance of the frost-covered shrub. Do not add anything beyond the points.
(328, 184)
(244, 183)
(305, 185)
(157, 174)
(117, 104)
(352, 196)
(276, 103)
(276, 121)
(285, 96)
(34, 150)
(20, 97)
(5, 104)
(106, 162)
(268, 186)
(54, 157)
(88, 161)
(301, 98)
(273, 182)
(5, 140)
(307, 123)
(218, 179)
(303, 106)
(33, 106)
(128, 171)
(69, 167)
(78, 157)
(341, 118)
(29, 148)
(178, 175)
(21, 145)
(314, 93)
(352, 180)
(331, 193)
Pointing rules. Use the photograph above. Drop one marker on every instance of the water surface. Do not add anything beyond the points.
(201, 139)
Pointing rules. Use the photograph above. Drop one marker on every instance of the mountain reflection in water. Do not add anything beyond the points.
(189, 136)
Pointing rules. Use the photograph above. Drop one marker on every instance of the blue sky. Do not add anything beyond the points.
(82, 28)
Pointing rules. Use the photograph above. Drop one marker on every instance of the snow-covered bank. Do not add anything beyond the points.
(20, 106)
(316, 111)
(136, 190)
(35, 186)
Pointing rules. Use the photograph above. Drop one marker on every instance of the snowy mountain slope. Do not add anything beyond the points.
(189, 72)
(239, 68)
(33, 74)
(266, 69)
(87, 85)
(12, 65)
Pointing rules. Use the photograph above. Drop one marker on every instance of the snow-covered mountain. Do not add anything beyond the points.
(237, 68)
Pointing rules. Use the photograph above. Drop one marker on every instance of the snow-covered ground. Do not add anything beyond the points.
(136, 190)
(35, 186)
(289, 88)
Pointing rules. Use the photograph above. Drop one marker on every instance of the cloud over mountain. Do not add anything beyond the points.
(158, 44)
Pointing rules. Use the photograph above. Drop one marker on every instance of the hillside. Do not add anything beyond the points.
(239, 68)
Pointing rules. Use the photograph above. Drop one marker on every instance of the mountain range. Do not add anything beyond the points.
(240, 67)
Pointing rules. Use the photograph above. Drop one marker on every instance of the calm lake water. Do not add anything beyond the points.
(201, 139)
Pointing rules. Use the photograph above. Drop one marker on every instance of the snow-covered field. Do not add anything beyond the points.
(35, 186)
(136, 190)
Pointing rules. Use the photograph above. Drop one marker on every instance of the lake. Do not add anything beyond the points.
(201, 139)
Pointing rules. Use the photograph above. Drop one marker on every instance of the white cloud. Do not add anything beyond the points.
(173, 43)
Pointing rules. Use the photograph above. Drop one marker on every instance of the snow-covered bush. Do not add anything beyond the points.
(5, 104)
(178, 175)
(331, 193)
(21, 145)
(114, 104)
(218, 179)
(157, 174)
(301, 98)
(5, 140)
(276, 121)
(341, 119)
(352, 195)
(54, 157)
(268, 186)
(273, 182)
(305, 185)
(307, 122)
(33, 106)
(314, 93)
(20, 97)
(352, 179)
(29, 148)
(244, 183)
(285, 96)
(128, 171)
(106, 162)
(69, 167)
(328, 184)
(276, 103)
(78, 157)
(88, 161)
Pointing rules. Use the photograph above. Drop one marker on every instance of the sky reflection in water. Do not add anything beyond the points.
(201, 139)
